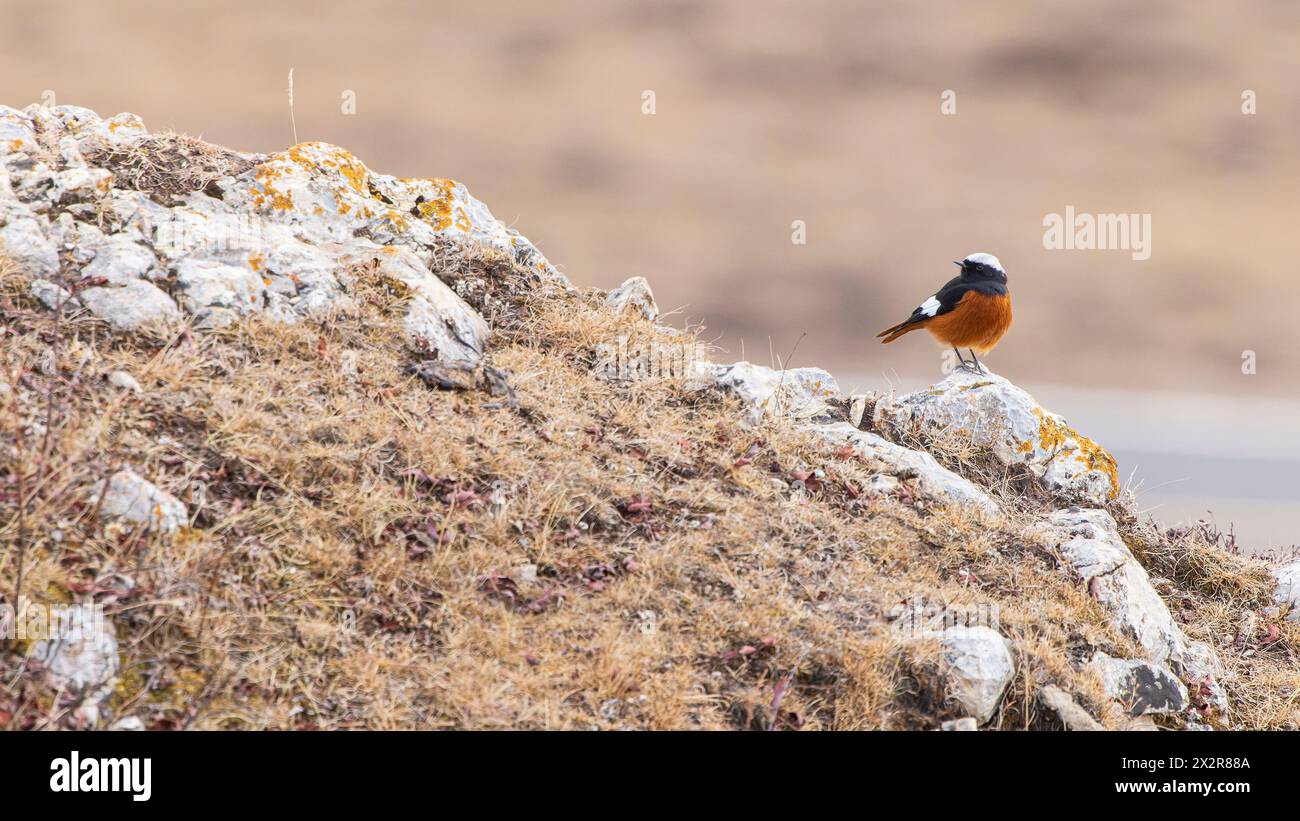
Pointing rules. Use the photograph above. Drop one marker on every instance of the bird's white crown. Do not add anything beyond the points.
(986, 259)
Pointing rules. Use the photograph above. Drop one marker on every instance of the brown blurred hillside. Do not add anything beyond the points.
(827, 112)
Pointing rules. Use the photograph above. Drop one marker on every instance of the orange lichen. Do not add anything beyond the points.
(1054, 435)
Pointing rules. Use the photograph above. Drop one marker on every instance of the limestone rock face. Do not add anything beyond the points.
(1091, 546)
(1004, 421)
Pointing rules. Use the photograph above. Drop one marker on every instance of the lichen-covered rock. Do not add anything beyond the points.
(934, 480)
(130, 497)
(1140, 687)
(978, 664)
(1090, 545)
(1004, 421)
(799, 393)
(275, 235)
(634, 298)
(80, 658)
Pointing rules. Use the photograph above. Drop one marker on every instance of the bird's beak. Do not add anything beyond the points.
(957, 262)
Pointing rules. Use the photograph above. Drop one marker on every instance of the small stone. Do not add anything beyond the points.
(634, 298)
(124, 381)
(979, 665)
(134, 499)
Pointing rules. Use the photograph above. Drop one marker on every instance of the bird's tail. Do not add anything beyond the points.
(906, 326)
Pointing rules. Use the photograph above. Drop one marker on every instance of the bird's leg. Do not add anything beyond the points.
(964, 366)
(978, 367)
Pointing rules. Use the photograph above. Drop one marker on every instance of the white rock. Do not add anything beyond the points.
(80, 657)
(1202, 669)
(1288, 588)
(131, 305)
(634, 298)
(127, 724)
(933, 479)
(119, 259)
(800, 393)
(124, 381)
(118, 131)
(204, 283)
(858, 408)
(437, 321)
(81, 184)
(1006, 422)
(966, 724)
(17, 131)
(1140, 687)
(52, 296)
(1092, 548)
(134, 499)
(979, 665)
(23, 240)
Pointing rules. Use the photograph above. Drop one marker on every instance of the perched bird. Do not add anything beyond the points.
(972, 311)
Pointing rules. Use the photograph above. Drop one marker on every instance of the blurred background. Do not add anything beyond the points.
(829, 113)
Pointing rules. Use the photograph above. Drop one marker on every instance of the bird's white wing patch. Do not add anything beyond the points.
(931, 306)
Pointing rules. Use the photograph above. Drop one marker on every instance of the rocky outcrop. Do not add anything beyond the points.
(274, 234)
(289, 236)
(1003, 421)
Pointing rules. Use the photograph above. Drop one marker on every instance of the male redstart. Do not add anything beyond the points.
(972, 311)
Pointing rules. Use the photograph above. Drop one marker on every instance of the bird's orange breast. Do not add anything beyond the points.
(977, 322)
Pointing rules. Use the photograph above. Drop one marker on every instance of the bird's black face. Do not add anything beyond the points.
(977, 271)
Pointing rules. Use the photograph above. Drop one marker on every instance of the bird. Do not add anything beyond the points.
(972, 311)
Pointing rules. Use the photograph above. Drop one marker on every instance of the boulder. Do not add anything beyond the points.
(1006, 423)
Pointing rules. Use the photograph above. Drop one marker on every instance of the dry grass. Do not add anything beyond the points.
(167, 165)
(366, 551)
